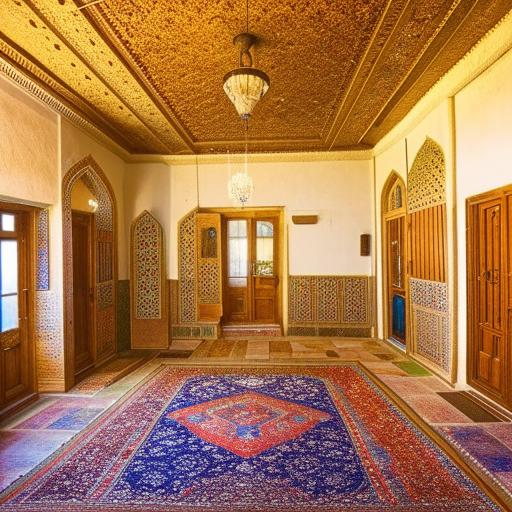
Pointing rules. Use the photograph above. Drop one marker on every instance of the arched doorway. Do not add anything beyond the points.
(90, 269)
(394, 247)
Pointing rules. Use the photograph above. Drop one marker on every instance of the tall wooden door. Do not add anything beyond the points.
(395, 275)
(17, 379)
(489, 294)
(83, 291)
(251, 270)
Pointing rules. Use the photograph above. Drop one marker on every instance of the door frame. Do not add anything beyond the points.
(86, 166)
(386, 215)
(32, 213)
(256, 213)
(471, 294)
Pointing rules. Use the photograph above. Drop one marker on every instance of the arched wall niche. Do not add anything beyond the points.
(105, 263)
(394, 260)
(431, 338)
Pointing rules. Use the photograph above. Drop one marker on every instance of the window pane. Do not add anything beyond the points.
(237, 251)
(237, 228)
(9, 313)
(7, 222)
(8, 266)
(264, 229)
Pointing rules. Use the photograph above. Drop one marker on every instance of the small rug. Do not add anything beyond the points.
(237, 439)
(468, 405)
(412, 368)
(107, 375)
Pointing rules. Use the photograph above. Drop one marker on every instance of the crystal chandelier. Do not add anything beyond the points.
(240, 185)
(245, 85)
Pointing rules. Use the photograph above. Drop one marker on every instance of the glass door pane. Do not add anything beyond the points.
(264, 248)
(8, 285)
(238, 253)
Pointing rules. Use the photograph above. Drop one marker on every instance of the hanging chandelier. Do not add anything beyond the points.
(240, 184)
(245, 85)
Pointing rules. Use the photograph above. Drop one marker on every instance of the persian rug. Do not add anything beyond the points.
(264, 439)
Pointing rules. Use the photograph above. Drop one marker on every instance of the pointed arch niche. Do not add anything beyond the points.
(431, 341)
(149, 294)
(103, 256)
(394, 258)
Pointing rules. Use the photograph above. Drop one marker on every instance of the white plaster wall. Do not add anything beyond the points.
(148, 187)
(28, 148)
(76, 145)
(340, 192)
(483, 113)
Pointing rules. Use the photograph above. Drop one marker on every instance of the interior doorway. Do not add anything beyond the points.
(251, 268)
(489, 223)
(394, 258)
(17, 352)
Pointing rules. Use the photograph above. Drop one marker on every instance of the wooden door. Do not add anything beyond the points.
(237, 306)
(488, 295)
(264, 276)
(251, 266)
(17, 380)
(83, 291)
(395, 274)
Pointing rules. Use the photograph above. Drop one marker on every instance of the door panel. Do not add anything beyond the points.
(490, 356)
(237, 271)
(82, 291)
(16, 348)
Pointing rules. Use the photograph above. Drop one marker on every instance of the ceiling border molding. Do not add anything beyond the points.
(238, 158)
(29, 86)
(491, 47)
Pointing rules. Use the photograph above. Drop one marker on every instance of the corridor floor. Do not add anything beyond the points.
(482, 436)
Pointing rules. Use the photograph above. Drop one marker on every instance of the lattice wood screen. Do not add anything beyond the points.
(149, 294)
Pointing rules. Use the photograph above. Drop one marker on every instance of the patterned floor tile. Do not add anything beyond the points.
(435, 410)
(502, 431)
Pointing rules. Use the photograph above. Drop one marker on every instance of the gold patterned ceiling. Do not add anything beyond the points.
(149, 73)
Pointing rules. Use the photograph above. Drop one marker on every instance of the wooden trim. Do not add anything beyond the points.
(305, 219)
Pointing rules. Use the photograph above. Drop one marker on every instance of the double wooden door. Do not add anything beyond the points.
(490, 294)
(17, 359)
(251, 264)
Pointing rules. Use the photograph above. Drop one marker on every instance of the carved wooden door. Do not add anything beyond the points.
(83, 291)
(488, 221)
(16, 347)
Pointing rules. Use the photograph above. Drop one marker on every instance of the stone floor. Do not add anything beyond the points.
(29, 437)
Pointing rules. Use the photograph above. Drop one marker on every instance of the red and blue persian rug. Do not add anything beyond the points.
(266, 439)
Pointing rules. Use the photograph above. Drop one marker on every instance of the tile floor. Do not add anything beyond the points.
(31, 436)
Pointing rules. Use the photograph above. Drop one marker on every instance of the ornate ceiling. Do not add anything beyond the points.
(148, 73)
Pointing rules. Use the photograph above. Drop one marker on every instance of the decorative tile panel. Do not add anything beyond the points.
(431, 337)
(330, 306)
(426, 182)
(356, 300)
(123, 315)
(43, 251)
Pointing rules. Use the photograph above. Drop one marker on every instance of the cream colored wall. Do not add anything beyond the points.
(28, 148)
(483, 113)
(76, 145)
(148, 187)
(340, 192)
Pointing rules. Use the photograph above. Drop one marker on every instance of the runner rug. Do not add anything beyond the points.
(265, 439)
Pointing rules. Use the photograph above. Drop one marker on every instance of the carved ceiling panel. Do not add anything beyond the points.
(148, 73)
